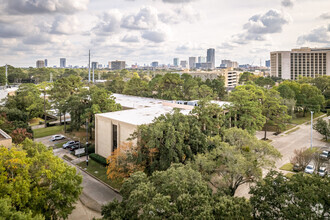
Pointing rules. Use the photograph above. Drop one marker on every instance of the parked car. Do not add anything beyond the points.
(69, 144)
(57, 137)
(325, 154)
(310, 169)
(323, 171)
(297, 167)
(75, 146)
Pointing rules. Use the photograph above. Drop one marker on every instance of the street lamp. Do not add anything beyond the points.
(312, 129)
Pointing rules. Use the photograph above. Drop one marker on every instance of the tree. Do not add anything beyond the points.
(202, 92)
(170, 86)
(123, 162)
(322, 127)
(274, 112)
(246, 107)
(171, 138)
(7, 211)
(265, 82)
(35, 180)
(116, 85)
(298, 197)
(19, 135)
(246, 77)
(302, 157)
(137, 87)
(189, 86)
(177, 193)
(236, 161)
(310, 99)
(44, 87)
(218, 86)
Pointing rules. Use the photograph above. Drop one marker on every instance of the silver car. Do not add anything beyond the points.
(310, 169)
(57, 137)
(323, 171)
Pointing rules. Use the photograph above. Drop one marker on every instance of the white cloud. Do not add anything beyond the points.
(318, 35)
(131, 39)
(287, 3)
(180, 15)
(109, 23)
(146, 18)
(65, 25)
(155, 36)
(325, 15)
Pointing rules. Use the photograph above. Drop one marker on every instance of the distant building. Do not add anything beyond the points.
(201, 59)
(211, 57)
(267, 63)
(231, 77)
(183, 64)
(176, 62)
(99, 66)
(46, 63)
(204, 66)
(62, 62)
(95, 65)
(109, 64)
(40, 64)
(118, 65)
(306, 62)
(154, 64)
(229, 64)
(192, 62)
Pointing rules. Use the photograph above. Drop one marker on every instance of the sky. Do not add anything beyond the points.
(143, 31)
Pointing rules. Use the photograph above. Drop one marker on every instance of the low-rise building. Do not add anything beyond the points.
(5, 139)
(231, 76)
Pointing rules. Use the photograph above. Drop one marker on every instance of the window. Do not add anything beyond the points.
(114, 137)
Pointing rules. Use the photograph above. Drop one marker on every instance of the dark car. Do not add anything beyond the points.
(75, 146)
(69, 144)
(297, 168)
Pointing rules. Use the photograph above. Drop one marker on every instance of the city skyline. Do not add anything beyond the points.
(143, 31)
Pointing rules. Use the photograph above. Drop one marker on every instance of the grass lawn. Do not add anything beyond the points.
(287, 167)
(43, 132)
(58, 145)
(289, 175)
(35, 121)
(301, 120)
(100, 172)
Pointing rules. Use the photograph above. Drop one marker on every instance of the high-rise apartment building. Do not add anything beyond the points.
(62, 62)
(183, 63)
(308, 62)
(154, 64)
(176, 62)
(201, 59)
(192, 62)
(118, 65)
(211, 57)
(267, 63)
(46, 63)
(40, 63)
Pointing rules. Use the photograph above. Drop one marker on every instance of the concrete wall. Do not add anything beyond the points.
(6, 143)
(286, 65)
(103, 134)
(328, 63)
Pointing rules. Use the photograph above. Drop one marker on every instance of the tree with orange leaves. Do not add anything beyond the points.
(123, 162)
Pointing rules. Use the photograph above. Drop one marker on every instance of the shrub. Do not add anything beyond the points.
(99, 159)
(91, 149)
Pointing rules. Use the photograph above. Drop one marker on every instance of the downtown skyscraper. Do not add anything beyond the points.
(211, 57)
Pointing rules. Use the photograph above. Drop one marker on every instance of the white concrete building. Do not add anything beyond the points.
(307, 62)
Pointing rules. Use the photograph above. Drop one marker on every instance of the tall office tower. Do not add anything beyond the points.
(40, 63)
(95, 65)
(183, 63)
(201, 59)
(46, 63)
(176, 62)
(267, 63)
(192, 62)
(62, 62)
(306, 62)
(118, 65)
(154, 64)
(211, 56)
(109, 64)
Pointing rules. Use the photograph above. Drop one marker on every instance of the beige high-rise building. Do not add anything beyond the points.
(118, 65)
(40, 63)
(306, 62)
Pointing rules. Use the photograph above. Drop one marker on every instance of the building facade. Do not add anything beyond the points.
(40, 64)
(211, 57)
(183, 63)
(303, 62)
(155, 64)
(118, 65)
(176, 62)
(229, 64)
(95, 65)
(62, 62)
(192, 62)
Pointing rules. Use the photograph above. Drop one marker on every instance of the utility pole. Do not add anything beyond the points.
(312, 129)
(89, 66)
(93, 74)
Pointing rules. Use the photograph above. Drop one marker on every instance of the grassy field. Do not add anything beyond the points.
(35, 121)
(99, 171)
(59, 145)
(287, 167)
(301, 120)
(43, 132)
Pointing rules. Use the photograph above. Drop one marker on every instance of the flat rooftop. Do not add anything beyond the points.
(129, 101)
(140, 116)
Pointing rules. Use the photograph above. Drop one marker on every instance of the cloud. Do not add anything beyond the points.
(109, 22)
(318, 35)
(287, 3)
(178, 1)
(45, 6)
(325, 15)
(38, 39)
(11, 31)
(65, 25)
(179, 15)
(131, 39)
(154, 36)
(146, 18)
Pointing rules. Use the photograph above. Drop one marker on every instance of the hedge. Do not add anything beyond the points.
(91, 149)
(99, 159)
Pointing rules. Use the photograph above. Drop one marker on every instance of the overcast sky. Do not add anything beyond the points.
(142, 31)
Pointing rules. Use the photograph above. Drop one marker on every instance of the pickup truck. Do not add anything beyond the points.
(69, 144)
